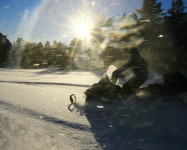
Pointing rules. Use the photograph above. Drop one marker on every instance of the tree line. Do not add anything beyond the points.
(37, 55)
(165, 35)
(160, 37)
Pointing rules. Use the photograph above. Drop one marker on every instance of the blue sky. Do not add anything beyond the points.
(42, 20)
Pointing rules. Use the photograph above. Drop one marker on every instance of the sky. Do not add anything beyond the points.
(49, 20)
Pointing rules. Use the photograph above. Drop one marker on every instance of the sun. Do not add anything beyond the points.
(83, 30)
(82, 27)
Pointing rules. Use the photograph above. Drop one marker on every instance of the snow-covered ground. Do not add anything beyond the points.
(35, 113)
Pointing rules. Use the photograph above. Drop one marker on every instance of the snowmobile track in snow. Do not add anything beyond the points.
(43, 117)
(46, 83)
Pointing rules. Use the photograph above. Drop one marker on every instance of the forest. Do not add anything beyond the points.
(160, 35)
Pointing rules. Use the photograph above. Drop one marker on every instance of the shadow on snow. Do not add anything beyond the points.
(137, 125)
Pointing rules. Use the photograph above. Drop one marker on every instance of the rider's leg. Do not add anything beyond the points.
(129, 87)
(132, 85)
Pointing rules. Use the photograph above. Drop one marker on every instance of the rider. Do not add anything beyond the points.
(139, 67)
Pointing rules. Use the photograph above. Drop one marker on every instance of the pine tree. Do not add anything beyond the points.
(54, 44)
(176, 12)
(177, 21)
(151, 11)
(47, 45)
(25, 59)
(5, 46)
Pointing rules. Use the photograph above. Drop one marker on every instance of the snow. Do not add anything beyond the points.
(35, 113)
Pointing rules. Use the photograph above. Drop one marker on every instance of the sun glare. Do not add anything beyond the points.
(82, 26)
(83, 30)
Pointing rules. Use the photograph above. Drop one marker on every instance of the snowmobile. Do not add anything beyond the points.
(116, 119)
(106, 90)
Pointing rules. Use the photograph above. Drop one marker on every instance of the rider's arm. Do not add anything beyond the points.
(116, 74)
(124, 67)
